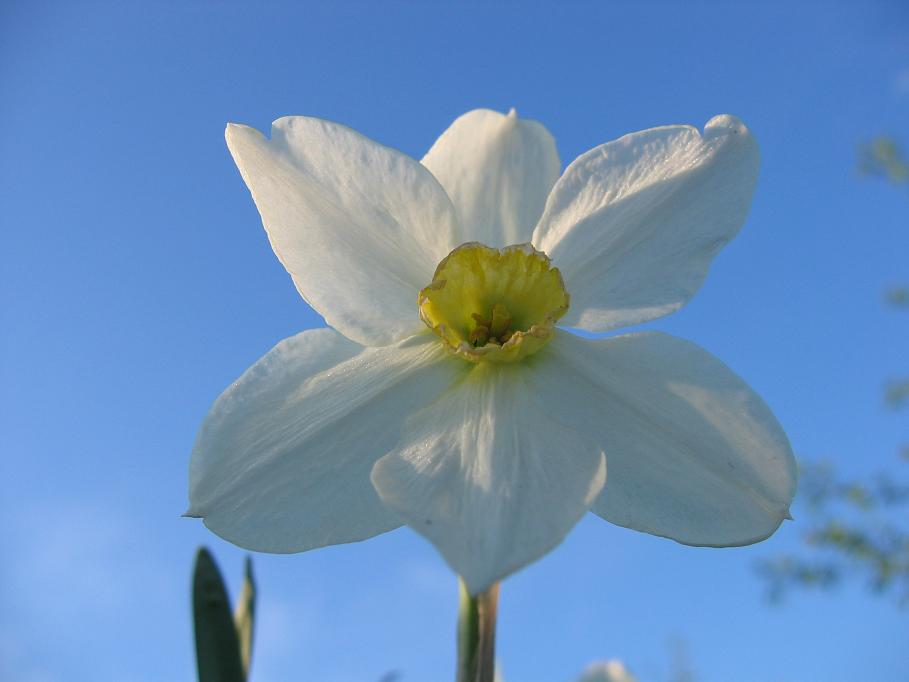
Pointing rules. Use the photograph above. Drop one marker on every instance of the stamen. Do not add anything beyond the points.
(481, 321)
(501, 320)
(479, 335)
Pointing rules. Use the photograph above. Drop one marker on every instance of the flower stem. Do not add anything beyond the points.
(477, 635)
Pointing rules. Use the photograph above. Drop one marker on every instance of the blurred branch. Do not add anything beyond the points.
(896, 393)
(898, 297)
(854, 528)
(883, 157)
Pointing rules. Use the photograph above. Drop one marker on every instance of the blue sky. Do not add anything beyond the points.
(136, 283)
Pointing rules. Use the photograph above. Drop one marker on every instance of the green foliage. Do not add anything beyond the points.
(896, 393)
(898, 297)
(476, 634)
(223, 640)
(883, 157)
(855, 527)
(244, 615)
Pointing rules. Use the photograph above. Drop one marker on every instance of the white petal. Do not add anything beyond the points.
(498, 171)
(282, 461)
(488, 477)
(634, 224)
(694, 454)
(360, 227)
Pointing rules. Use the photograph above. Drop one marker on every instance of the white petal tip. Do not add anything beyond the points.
(726, 123)
(512, 113)
(235, 132)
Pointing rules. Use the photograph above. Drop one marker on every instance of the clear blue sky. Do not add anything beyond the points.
(136, 282)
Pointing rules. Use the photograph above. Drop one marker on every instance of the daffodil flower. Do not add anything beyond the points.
(607, 671)
(449, 392)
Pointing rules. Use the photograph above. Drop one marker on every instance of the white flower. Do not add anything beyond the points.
(609, 671)
(489, 434)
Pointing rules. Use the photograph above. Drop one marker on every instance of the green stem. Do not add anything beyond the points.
(477, 635)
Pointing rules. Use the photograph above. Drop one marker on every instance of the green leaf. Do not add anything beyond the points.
(244, 616)
(218, 656)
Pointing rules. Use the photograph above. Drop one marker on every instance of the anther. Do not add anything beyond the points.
(501, 320)
(479, 335)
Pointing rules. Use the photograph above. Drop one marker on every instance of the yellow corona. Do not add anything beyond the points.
(494, 305)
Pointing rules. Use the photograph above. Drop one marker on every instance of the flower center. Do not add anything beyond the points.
(499, 305)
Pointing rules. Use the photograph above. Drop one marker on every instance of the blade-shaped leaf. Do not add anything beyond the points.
(217, 645)
(244, 616)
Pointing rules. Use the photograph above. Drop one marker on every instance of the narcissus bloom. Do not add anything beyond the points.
(609, 671)
(444, 396)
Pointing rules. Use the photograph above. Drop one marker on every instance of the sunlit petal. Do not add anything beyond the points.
(359, 227)
(282, 461)
(498, 170)
(488, 477)
(694, 454)
(634, 224)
